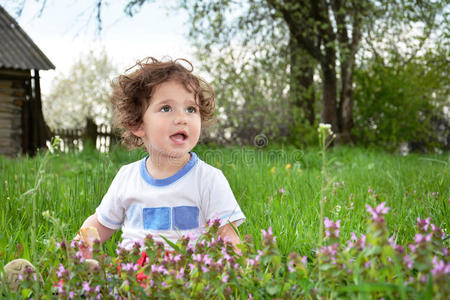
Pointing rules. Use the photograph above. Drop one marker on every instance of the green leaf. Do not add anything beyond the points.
(171, 244)
(272, 289)
(370, 287)
(26, 293)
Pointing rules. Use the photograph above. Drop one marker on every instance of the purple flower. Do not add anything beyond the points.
(329, 251)
(79, 256)
(332, 228)
(177, 258)
(291, 266)
(86, 287)
(392, 242)
(407, 260)
(304, 260)
(437, 231)
(130, 267)
(225, 278)
(205, 269)
(268, 236)
(439, 267)
(378, 211)
(71, 295)
(60, 271)
(412, 248)
(250, 261)
(282, 191)
(399, 249)
(180, 274)
(197, 258)
(267, 233)
(207, 260)
(423, 224)
(421, 238)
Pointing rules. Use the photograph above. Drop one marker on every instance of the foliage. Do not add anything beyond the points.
(413, 186)
(370, 265)
(234, 37)
(249, 71)
(399, 102)
(375, 264)
(81, 93)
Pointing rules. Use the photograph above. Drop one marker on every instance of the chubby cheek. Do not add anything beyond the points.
(196, 130)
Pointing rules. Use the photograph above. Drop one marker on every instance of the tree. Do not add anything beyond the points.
(82, 93)
(401, 102)
(329, 32)
(325, 33)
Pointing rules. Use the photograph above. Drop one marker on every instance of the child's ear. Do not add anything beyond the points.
(139, 131)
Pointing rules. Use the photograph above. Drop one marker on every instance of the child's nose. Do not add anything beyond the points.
(180, 118)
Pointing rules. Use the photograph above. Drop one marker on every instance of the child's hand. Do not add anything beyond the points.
(86, 251)
(227, 232)
(87, 236)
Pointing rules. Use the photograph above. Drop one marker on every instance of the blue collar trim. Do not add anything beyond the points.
(166, 181)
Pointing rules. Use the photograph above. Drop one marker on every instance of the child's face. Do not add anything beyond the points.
(172, 122)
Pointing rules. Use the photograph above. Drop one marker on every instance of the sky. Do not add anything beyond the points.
(67, 29)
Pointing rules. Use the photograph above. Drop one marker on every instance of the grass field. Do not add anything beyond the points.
(277, 187)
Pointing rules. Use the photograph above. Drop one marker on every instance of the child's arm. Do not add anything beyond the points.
(104, 233)
(227, 231)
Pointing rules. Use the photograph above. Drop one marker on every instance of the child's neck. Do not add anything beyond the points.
(161, 167)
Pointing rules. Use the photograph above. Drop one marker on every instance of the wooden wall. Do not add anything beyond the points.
(14, 93)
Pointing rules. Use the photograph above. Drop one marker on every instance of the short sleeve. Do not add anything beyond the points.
(110, 212)
(222, 203)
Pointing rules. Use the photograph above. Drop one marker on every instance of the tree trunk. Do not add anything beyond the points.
(301, 82)
(329, 110)
(345, 110)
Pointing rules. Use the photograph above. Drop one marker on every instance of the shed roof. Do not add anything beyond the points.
(17, 50)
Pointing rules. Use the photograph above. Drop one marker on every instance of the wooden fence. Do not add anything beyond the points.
(102, 136)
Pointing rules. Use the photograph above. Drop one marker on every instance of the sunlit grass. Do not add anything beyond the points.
(74, 184)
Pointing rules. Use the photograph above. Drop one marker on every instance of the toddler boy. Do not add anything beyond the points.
(171, 192)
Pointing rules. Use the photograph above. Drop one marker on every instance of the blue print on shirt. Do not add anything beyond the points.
(134, 216)
(156, 218)
(185, 217)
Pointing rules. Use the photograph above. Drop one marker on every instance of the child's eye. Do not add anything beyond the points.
(191, 109)
(166, 108)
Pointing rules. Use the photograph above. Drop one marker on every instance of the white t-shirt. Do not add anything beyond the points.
(171, 207)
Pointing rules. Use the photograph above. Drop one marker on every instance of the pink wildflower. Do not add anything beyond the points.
(60, 271)
(304, 260)
(225, 278)
(86, 287)
(423, 224)
(378, 211)
(439, 267)
(407, 260)
(332, 228)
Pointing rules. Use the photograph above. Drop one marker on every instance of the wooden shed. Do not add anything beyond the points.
(22, 125)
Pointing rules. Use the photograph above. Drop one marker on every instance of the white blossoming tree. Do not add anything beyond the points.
(82, 93)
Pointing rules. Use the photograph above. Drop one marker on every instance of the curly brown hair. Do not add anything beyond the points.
(131, 93)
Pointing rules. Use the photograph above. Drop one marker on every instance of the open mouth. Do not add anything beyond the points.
(179, 137)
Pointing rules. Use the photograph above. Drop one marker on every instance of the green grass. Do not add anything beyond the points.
(73, 185)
